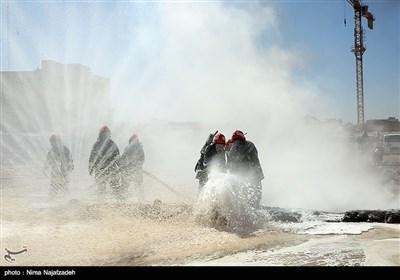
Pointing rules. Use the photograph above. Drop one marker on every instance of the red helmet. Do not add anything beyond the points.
(219, 138)
(133, 138)
(105, 131)
(237, 134)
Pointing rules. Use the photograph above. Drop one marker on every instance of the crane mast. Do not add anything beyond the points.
(8, 37)
(360, 10)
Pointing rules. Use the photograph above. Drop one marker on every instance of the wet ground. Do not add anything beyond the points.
(79, 230)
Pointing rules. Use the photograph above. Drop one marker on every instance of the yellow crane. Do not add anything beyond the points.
(360, 10)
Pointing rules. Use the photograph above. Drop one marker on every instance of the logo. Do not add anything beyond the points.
(10, 259)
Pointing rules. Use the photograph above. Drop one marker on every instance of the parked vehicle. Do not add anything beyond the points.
(391, 143)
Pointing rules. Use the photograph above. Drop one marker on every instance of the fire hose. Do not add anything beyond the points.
(164, 184)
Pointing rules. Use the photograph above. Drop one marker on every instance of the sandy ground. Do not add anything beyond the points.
(381, 245)
(107, 235)
(75, 231)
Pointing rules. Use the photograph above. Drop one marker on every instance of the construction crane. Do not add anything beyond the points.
(360, 10)
(8, 37)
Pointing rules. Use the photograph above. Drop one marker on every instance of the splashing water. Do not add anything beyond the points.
(224, 202)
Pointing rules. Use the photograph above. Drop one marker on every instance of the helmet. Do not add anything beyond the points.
(133, 138)
(104, 132)
(54, 139)
(219, 138)
(237, 134)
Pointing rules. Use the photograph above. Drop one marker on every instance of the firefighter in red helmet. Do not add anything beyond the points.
(215, 153)
(212, 156)
(242, 160)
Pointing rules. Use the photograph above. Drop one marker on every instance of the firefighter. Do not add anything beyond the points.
(103, 163)
(212, 157)
(131, 166)
(242, 160)
(59, 165)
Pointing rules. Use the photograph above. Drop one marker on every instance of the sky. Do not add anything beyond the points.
(159, 49)
(257, 66)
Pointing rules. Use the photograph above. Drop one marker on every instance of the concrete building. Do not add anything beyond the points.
(382, 125)
(67, 99)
